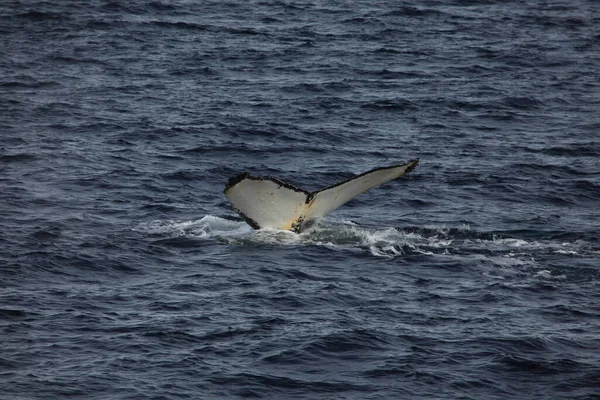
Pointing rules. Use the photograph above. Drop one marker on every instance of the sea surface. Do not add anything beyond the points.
(125, 274)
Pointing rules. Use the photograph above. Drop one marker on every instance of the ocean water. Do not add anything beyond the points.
(124, 273)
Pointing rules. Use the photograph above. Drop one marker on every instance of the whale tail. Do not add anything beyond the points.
(266, 202)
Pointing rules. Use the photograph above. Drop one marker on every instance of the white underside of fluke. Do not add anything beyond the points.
(266, 202)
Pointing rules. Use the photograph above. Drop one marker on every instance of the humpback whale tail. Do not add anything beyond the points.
(266, 202)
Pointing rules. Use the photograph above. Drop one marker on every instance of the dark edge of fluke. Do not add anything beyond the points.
(248, 220)
(247, 175)
(414, 161)
(234, 180)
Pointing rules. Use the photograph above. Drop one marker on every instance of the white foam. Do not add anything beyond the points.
(546, 274)
(275, 236)
(497, 257)
(206, 227)
(568, 252)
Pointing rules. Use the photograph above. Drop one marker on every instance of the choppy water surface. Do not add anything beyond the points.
(125, 274)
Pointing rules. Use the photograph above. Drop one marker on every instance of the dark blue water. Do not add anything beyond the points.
(124, 273)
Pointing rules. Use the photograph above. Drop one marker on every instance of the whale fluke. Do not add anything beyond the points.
(266, 202)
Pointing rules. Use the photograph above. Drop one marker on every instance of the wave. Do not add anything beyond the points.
(205, 228)
(442, 242)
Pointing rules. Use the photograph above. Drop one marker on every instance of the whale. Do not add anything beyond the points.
(267, 202)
